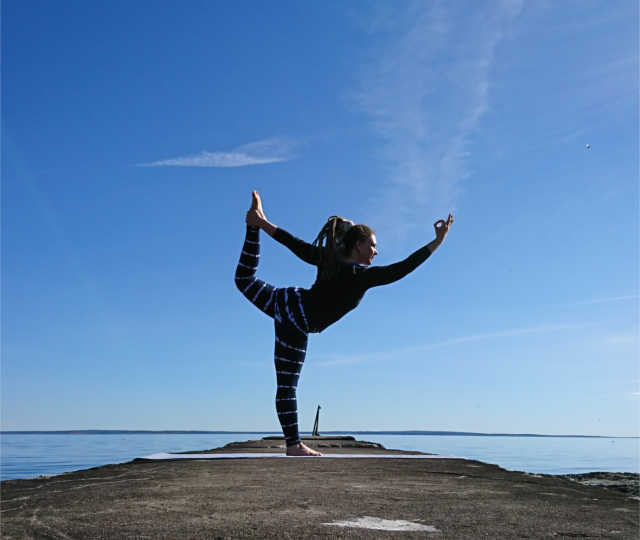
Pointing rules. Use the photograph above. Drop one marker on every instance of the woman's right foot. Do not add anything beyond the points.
(255, 215)
(301, 450)
(256, 202)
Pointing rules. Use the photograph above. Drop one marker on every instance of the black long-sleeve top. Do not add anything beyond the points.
(331, 299)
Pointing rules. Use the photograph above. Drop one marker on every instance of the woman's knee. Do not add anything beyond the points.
(243, 283)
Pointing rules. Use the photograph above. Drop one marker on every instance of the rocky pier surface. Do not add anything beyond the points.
(329, 497)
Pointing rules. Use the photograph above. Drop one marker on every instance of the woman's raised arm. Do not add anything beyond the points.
(383, 275)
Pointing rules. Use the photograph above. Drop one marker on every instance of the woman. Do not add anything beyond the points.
(343, 253)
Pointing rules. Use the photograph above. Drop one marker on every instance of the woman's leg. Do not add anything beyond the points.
(290, 351)
(259, 293)
(289, 355)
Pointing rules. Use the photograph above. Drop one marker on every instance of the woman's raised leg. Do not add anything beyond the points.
(259, 293)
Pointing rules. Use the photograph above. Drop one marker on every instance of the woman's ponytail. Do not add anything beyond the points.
(331, 238)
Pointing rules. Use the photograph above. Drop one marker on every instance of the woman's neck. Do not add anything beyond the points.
(352, 259)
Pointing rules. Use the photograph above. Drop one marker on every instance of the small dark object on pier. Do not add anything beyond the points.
(315, 424)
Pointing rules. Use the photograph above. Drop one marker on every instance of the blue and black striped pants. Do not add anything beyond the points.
(284, 305)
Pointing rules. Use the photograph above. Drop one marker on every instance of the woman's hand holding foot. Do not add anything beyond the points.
(256, 217)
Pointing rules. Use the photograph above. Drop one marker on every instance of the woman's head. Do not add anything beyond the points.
(360, 244)
(342, 239)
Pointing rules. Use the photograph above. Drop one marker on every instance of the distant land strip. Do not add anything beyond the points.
(201, 432)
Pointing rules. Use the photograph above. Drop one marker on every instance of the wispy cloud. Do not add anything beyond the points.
(424, 94)
(608, 300)
(567, 137)
(610, 85)
(404, 351)
(272, 150)
(622, 339)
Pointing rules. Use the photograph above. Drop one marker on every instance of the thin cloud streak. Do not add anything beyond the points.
(425, 94)
(514, 332)
(604, 300)
(622, 339)
(273, 150)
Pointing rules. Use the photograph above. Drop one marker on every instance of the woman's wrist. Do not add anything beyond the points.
(267, 227)
(433, 245)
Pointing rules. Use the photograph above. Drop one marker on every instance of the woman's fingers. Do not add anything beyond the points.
(443, 223)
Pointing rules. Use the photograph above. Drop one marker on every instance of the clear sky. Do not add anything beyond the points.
(134, 132)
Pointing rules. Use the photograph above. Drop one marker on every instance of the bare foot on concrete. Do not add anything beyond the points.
(301, 450)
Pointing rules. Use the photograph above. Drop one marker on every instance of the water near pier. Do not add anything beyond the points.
(28, 455)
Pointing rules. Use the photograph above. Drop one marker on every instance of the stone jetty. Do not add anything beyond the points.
(401, 496)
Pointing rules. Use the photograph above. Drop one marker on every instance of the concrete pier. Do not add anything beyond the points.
(312, 498)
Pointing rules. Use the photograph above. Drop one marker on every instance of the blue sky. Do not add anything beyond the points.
(134, 132)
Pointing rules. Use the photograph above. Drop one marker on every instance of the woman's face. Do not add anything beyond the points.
(366, 250)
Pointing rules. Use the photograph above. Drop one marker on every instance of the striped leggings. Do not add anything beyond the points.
(291, 328)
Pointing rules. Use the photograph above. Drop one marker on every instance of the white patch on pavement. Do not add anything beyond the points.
(251, 455)
(378, 524)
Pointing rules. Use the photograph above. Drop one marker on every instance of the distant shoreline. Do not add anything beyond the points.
(358, 432)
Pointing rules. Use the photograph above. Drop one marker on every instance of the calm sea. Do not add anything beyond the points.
(28, 455)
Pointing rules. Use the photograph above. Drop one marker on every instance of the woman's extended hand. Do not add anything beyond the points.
(442, 228)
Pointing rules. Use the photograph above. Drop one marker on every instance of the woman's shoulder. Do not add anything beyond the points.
(351, 269)
(339, 270)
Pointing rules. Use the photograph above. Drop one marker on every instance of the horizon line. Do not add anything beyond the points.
(332, 432)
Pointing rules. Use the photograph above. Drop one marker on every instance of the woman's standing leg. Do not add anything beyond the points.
(289, 355)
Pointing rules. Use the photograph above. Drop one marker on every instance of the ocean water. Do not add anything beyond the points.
(29, 455)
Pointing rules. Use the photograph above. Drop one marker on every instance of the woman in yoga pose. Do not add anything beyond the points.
(343, 253)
